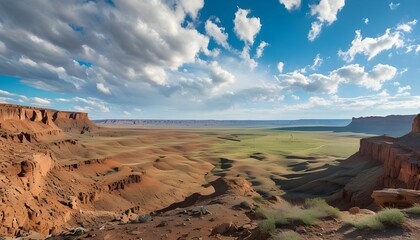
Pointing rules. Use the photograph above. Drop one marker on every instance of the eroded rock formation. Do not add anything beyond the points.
(26, 123)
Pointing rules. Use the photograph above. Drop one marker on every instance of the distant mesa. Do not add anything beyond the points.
(395, 125)
(28, 123)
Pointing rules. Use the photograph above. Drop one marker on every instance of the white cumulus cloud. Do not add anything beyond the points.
(326, 13)
(217, 33)
(371, 47)
(260, 49)
(407, 27)
(291, 4)
(246, 28)
(349, 74)
(101, 87)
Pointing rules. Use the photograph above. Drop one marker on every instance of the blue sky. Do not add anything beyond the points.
(202, 59)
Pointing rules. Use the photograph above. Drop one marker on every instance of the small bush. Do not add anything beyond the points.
(321, 205)
(391, 217)
(414, 209)
(258, 199)
(307, 216)
(264, 213)
(245, 205)
(288, 236)
(267, 226)
(385, 218)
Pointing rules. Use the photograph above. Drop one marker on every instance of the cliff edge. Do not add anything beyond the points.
(26, 123)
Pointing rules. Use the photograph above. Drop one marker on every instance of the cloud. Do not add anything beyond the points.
(74, 52)
(101, 87)
(418, 48)
(394, 6)
(316, 28)
(246, 28)
(371, 47)
(371, 80)
(350, 74)
(2, 47)
(366, 20)
(260, 49)
(82, 109)
(280, 67)
(90, 103)
(41, 101)
(219, 75)
(407, 27)
(404, 89)
(250, 62)
(326, 13)
(6, 93)
(192, 7)
(295, 97)
(290, 4)
(217, 33)
(318, 61)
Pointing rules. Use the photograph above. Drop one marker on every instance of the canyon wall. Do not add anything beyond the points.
(400, 157)
(24, 123)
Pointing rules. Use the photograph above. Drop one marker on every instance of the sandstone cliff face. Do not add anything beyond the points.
(26, 123)
(400, 160)
(416, 125)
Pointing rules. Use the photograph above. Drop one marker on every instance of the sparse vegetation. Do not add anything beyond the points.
(380, 221)
(307, 214)
(322, 206)
(290, 235)
(267, 226)
(414, 209)
(245, 205)
(258, 199)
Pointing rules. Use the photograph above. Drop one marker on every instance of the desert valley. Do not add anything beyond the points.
(64, 177)
(209, 120)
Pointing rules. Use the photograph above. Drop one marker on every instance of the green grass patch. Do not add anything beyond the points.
(267, 226)
(386, 218)
(414, 209)
(321, 205)
(308, 214)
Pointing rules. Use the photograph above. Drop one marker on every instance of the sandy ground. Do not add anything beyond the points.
(105, 179)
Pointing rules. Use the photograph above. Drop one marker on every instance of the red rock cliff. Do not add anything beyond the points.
(35, 122)
(400, 157)
(416, 125)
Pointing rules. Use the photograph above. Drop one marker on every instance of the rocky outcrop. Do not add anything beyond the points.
(30, 123)
(120, 184)
(401, 163)
(396, 197)
(416, 125)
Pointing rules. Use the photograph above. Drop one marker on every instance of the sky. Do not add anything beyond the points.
(212, 59)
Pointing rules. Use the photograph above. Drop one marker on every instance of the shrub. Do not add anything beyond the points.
(381, 220)
(245, 205)
(391, 217)
(414, 209)
(258, 199)
(267, 226)
(321, 205)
